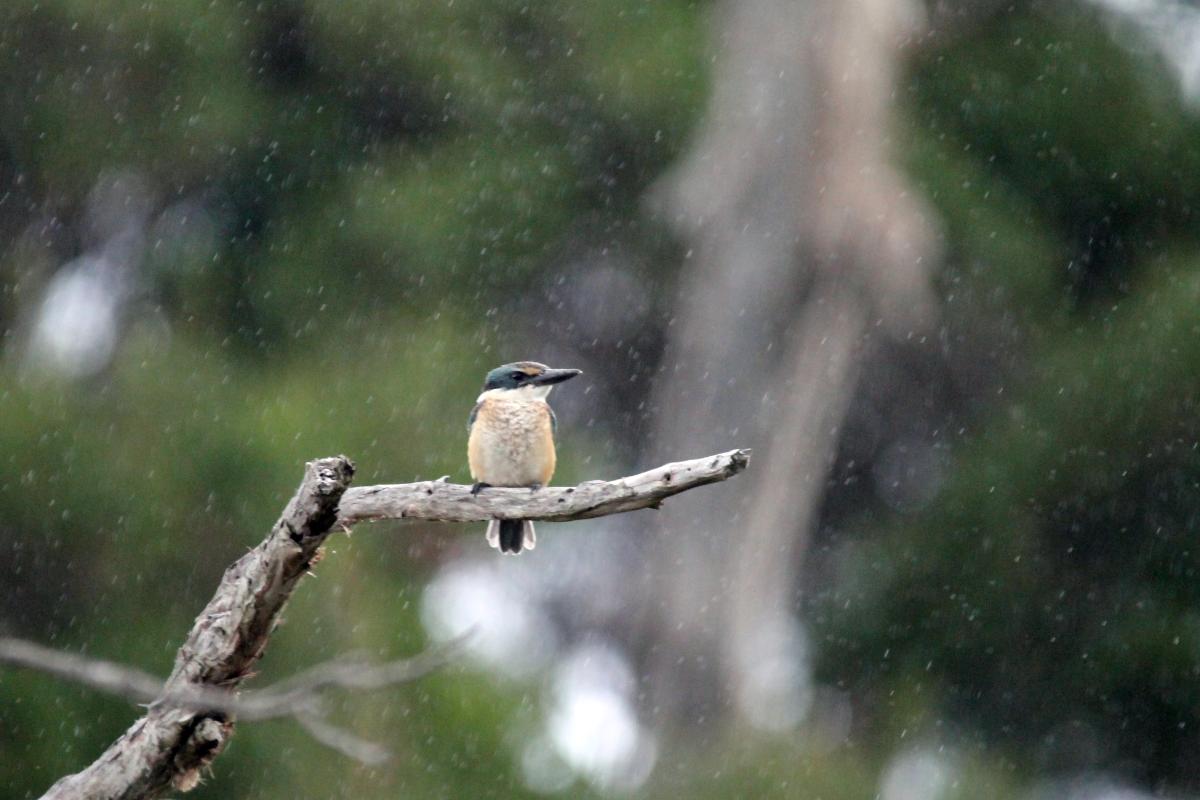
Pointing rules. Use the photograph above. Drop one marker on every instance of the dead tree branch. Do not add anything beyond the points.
(170, 746)
(439, 501)
(190, 718)
(294, 697)
(128, 682)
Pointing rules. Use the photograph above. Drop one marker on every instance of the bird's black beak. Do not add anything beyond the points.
(553, 376)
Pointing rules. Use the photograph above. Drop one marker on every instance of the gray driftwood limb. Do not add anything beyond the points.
(170, 746)
(448, 502)
(295, 697)
(191, 717)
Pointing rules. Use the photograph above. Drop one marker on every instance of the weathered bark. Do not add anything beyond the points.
(192, 718)
(168, 747)
(437, 501)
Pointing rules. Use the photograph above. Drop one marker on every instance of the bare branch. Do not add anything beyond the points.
(127, 682)
(448, 502)
(293, 697)
(351, 673)
(343, 741)
(170, 746)
(191, 716)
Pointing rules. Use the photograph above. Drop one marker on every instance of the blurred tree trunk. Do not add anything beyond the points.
(803, 240)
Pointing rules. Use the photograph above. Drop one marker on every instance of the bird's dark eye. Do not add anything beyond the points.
(519, 376)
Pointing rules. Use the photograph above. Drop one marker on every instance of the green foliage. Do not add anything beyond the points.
(1046, 598)
(1088, 133)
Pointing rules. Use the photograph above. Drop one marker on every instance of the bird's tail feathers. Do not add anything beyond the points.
(510, 536)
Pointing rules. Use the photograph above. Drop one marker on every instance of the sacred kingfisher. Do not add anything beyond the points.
(511, 441)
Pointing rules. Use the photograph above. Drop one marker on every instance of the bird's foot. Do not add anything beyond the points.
(533, 487)
(479, 487)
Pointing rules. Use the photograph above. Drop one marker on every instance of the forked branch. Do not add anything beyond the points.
(190, 718)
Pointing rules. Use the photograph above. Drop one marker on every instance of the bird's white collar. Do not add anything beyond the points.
(521, 393)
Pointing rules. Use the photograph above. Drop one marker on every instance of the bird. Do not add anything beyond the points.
(510, 441)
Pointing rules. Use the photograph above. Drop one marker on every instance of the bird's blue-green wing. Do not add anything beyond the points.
(474, 414)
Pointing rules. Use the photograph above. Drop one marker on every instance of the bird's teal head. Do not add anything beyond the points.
(522, 374)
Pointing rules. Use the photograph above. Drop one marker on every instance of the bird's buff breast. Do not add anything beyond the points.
(511, 443)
